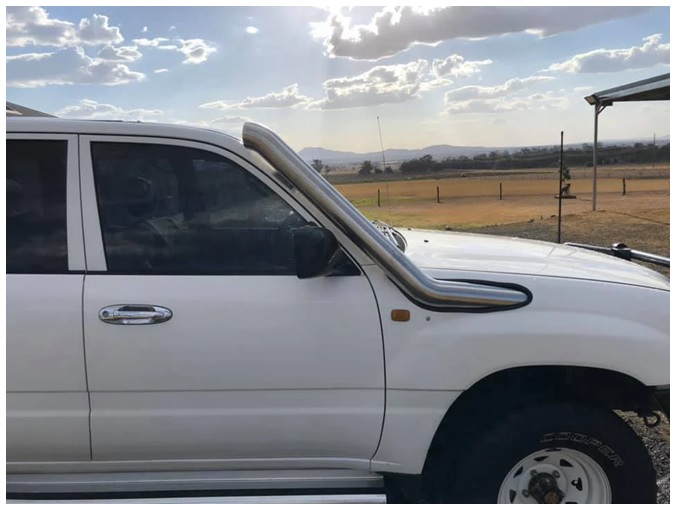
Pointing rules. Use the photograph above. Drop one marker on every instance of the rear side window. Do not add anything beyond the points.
(36, 206)
(179, 210)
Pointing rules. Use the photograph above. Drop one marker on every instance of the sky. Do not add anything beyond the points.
(491, 76)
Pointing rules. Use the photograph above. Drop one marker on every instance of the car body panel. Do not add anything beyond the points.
(47, 402)
(497, 254)
(245, 363)
(196, 389)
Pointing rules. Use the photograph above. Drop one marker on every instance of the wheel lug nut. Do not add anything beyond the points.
(525, 493)
(556, 474)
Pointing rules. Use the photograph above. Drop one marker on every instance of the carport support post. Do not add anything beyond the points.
(597, 111)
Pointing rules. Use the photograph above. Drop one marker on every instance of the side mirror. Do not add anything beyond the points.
(315, 251)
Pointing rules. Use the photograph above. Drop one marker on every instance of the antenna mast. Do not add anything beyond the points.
(382, 149)
(387, 185)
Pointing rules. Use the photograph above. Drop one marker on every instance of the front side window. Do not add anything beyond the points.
(36, 206)
(179, 210)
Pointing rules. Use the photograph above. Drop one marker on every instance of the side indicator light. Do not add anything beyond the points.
(401, 315)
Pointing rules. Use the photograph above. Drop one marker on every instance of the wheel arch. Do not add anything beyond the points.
(505, 391)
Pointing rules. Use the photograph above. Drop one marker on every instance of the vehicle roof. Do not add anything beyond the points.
(121, 128)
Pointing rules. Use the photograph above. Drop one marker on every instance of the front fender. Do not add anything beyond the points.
(623, 328)
(570, 322)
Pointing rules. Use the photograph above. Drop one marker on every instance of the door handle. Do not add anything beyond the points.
(135, 314)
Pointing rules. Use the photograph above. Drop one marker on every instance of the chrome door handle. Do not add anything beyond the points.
(135, 314)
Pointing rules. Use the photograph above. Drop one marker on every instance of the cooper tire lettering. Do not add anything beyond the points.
(603, 449)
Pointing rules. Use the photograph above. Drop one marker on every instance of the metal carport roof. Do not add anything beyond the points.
(652, 89)
(14, 109)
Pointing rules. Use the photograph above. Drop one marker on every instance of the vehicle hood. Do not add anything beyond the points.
(475, 252)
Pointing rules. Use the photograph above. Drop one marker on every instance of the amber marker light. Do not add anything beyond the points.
(401, 315)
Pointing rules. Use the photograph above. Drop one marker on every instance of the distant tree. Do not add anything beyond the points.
(317, 165)
(388, 170)
(327, 169)
(377, 171)
(420, 165)
(366, 168)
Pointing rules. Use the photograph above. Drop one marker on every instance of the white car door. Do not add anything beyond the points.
(201, 341)
(47, 403)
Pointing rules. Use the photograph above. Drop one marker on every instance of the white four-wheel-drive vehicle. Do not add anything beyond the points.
(191, 314)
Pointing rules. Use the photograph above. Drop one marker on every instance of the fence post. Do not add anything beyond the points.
(378, 197)
(500, 191)
(624, 186)
(438, 200)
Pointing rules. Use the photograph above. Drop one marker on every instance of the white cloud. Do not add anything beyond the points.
(96, 30)
(651, 53)
(196, 51)
(251, 30)
(488, 92)
(66, 66)
(288, 97)
(160, 71)
(152, 43)
(501, 98)
(395, 29)
(34, 26)
(119, 54)
(454, 66)
(384, 84)
(172, 28)
(379, 85)
(539, 101)
(144, 30)
(88, 109)
(457, 66)
(231, 119)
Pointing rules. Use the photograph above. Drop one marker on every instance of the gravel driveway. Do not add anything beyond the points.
(657, 442)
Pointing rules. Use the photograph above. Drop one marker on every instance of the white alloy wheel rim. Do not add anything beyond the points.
(578, 477)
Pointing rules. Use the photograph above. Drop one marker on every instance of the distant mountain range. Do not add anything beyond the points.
(436, 151)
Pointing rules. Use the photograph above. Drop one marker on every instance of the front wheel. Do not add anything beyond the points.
(561, 453)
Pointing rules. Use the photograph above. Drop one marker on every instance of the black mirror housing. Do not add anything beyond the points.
(315, 249)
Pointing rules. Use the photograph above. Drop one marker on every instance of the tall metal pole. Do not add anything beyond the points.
(560, 187)
(596, 142)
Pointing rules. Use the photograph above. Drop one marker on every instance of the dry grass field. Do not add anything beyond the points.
(528, 209)
(467, 202)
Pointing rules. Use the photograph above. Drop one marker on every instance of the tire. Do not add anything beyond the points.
(590, 455)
